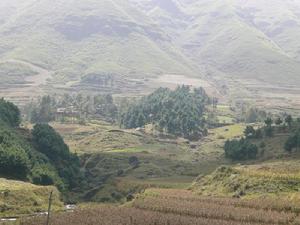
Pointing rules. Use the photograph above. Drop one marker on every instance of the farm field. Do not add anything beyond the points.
(181, 207)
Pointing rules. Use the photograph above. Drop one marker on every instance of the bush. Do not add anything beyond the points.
(41, 175)
(240, 149)
(14, 162)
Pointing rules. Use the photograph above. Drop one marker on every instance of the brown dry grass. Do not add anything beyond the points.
(180, 207)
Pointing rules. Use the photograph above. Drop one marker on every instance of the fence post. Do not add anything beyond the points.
(49, 208)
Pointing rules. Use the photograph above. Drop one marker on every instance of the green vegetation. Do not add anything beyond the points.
(178, 112)
(71, 107)
(50, 143)
(41, 157)
(105, 151)
(13, 160)
(133, 46)
(110, 142)
(253, 115)
(9, 113)
(293, 142)
(240, 150)
(285, 130)
(271, 179)
(20, 198)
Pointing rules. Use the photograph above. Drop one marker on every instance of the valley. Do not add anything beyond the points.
(155, 112)
(137, 44)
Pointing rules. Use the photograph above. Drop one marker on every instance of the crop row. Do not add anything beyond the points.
(266, 203)
(105, 215)
(213, 211)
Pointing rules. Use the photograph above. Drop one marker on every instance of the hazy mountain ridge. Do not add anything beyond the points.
(75, 39)
(239, 39)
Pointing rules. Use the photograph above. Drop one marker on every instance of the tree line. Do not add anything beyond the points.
(179, 112)
(81, 107)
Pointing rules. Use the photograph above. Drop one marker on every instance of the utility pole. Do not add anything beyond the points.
(49, 208)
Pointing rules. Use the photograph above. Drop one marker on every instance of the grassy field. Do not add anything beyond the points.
(20, 198)
(273, 179)
(106, 152)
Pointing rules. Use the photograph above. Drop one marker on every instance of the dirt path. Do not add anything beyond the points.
(36, 80)
(22, 94)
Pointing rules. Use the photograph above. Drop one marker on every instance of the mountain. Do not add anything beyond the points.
(240, 38)
(75, 38)
(239, 45)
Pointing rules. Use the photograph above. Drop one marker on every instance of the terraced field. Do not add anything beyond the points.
(181, 207)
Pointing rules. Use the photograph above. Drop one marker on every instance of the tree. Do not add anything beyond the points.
(251, 115)
(293, 142)
(269, 122)
(240, 149)
(249, 132)
(9, 113)
(289, 120)
(268, 129)
(278, 121)
(49, 142)
(14, 162)
(44, 111)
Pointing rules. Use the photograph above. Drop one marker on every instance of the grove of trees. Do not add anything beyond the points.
(243, 149)
(82, 107)
(179, 112)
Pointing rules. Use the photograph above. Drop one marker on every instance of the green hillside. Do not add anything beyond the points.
(142, 39)
(21, 198)
(81, 38)
(241, 40)
(39, 156)
(272, 179)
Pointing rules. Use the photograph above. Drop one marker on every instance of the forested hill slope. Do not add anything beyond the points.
(39, 156)
(236, 39)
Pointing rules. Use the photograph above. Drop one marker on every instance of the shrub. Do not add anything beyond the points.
(14, 161)
(240, 149)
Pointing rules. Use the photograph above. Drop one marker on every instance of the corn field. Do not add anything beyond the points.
(177, 207)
